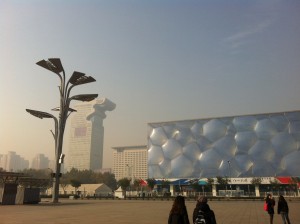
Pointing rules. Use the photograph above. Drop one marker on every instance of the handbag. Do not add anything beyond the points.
(266, 206)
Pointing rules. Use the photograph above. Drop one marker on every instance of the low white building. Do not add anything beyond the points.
(85, 190)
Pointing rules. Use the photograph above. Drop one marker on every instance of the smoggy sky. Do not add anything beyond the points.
(157, 60)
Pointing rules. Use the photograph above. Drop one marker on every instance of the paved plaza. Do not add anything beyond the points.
(135, 211)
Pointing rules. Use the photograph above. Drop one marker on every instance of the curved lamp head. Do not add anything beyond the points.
(69, 109)
(53, 65)
(79, 78)
(84, 97)
(40, 114)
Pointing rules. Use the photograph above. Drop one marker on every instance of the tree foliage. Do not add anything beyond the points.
(210, 181)
(40, 174)
(165, 183)
(75, 183)
(83, 176)
(91, 177)
(124, 183)
(136, 184)
(151, 183)
(256, 181)
(275, 184)
(195, 185)
(223, 181)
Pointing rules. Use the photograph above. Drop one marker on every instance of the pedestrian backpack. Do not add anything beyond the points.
(200, 218)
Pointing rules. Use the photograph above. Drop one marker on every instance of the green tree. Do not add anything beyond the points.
(210, 182)
(84, 176)
(110, 180)
(256, 181)
(222, 181)
(195, 185)
(151, 183)
(34, 173)
(76, 184)
(91, 177)
(165, 183)
(64, 183)
(275, 185)
(124, 183)
(137, 184)
(36, 178)
(293, 182)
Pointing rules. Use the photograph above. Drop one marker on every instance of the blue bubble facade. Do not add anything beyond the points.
(241, 146)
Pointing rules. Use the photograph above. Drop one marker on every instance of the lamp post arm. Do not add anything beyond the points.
(52, 134)
(65, 104)
(60, 77)
(63, 89)
(69, 114)
(67, 94)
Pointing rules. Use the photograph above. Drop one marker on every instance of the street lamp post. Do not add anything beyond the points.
(230, 177)
(130, 173)
(54, 65)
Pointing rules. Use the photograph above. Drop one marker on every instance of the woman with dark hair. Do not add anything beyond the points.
(270, 203)
(178, 213)
(283, 210)
(202, 210)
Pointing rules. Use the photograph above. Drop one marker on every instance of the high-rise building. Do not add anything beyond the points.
(87, 133)
(130, 162)
(13, 162)
(40, 161)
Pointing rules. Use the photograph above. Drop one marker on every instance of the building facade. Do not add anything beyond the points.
(13, 162)
(260, 145)
(40, 161)
(130, 162)
(87, 134)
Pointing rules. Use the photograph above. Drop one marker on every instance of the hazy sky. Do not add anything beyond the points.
(158, 60)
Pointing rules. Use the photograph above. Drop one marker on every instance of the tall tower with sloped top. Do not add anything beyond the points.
(87, 134)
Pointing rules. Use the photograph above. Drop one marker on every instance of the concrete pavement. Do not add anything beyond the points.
(135, 211)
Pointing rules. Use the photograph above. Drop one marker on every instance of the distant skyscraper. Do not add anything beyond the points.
(40, 161)
(13, 162)
(130, 162)
(87, 133)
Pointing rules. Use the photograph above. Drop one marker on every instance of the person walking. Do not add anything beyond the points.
(283, 210)
(270, 203)
(202, 212)
(178, 213)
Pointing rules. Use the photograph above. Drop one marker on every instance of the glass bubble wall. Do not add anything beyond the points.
(241, 146)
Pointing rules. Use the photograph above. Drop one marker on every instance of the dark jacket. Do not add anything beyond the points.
(208, 213)
(176, 218)
(282, 207)
(271, 204)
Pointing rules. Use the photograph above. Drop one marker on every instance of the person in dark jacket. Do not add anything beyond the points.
(271, 203)
(178, 213)
(283, 210)
(204, 207)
